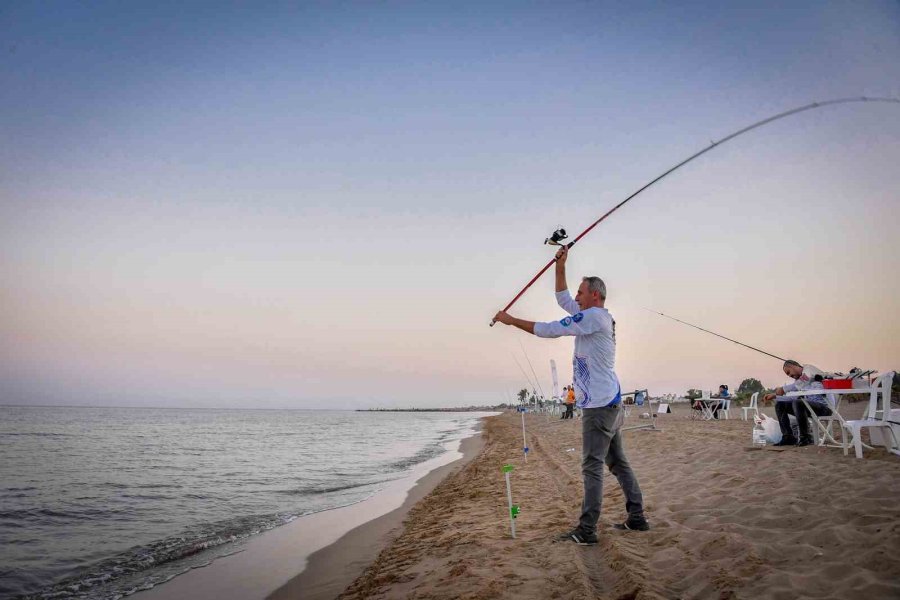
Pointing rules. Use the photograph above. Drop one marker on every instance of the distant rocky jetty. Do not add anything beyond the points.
(454, 409)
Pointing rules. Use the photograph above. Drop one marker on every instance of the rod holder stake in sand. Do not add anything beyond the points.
(524, 443)
(513, 508)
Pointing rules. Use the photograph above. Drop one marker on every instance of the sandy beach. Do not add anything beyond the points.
(728, 521)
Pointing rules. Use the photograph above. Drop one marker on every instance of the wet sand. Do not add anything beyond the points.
(330, 570)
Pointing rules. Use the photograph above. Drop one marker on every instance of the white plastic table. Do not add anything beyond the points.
(708, 406)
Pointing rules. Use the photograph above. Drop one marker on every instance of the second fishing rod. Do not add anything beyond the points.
(715, 334)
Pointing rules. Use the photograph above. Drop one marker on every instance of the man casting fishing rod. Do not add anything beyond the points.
(597, 393)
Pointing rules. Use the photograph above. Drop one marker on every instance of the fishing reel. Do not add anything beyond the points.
(556, 237)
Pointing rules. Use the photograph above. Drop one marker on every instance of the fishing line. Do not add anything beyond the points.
(716, 334)
(527, 378)
(556, 237)
(538, 381)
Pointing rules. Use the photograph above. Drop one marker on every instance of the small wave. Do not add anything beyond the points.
(155, 486)
(313, 490)
(148, 497)
(426, 453)
(162, 552)
(25, 514)
(35, 434)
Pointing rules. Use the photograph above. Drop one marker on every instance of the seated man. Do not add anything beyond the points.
(807, 377)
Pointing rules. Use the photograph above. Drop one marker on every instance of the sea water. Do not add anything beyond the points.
(102, 502)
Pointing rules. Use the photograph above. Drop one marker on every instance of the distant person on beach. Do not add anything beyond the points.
(570, 403)
(806, 377)
(598, 394)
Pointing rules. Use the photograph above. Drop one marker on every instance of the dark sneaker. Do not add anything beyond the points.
(633, 524)
(805, 440)
(787, 440)
(579, 537)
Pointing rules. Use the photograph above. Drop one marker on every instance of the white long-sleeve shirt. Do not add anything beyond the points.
(594, 361)
(810, 379)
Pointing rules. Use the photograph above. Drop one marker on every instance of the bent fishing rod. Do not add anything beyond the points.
(560, 234)
(716, 334)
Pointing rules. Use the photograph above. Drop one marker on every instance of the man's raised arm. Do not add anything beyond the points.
(563, 297)
(561, 255)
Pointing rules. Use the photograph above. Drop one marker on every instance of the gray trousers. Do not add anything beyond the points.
(602, 443)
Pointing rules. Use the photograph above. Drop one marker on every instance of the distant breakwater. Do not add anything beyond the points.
(502, 407)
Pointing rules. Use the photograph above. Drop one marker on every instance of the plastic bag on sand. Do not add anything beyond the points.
(770, 426)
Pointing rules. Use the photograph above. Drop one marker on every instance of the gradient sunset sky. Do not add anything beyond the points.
(322, 205)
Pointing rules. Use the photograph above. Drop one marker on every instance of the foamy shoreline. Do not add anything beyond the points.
(278, 557)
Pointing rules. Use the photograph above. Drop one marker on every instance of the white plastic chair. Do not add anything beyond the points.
(723, 406)
(823, 426)
(745, 409)
(873, 421)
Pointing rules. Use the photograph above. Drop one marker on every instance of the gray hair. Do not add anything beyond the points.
(595, 284)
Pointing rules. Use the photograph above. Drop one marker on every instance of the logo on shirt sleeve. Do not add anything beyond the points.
(566, 322)
(577, 317)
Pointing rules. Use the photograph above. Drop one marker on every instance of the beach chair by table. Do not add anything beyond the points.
(872, 420)
(753, 406)
(722, 407)
(823, 427)
(703, 414)
(694, 415)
